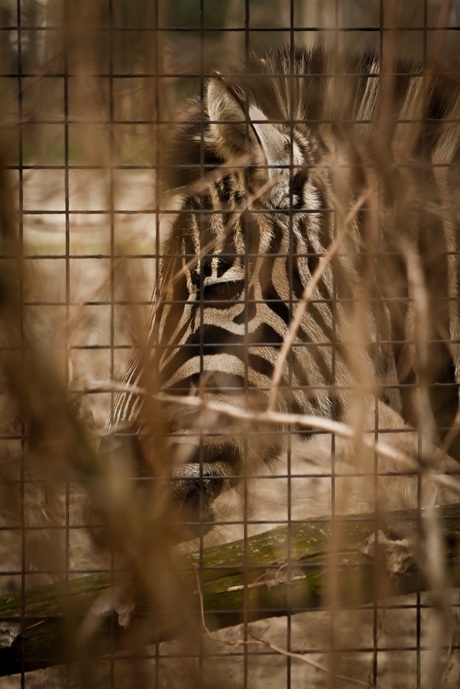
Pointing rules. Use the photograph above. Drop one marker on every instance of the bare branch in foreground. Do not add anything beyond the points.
(404, 461)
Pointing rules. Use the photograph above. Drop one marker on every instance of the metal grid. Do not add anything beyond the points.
(90, 94)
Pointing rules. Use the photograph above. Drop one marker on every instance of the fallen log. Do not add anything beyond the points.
(283, 571)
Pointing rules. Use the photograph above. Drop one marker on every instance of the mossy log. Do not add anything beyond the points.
(287, 570)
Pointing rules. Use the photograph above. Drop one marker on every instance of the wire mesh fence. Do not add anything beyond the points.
(229, 350)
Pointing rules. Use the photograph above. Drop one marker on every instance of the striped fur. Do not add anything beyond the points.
(266, 171)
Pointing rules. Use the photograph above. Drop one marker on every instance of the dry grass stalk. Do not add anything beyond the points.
(140, 526)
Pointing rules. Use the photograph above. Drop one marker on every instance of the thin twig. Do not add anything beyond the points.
(433, 556)
(307, 295)
(308, 661)
(260, 641)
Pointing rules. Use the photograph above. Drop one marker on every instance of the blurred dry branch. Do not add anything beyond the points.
(95, 89)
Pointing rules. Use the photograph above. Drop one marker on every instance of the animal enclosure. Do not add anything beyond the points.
(230, 344)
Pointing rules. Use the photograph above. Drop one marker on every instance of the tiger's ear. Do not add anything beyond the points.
(236, 129)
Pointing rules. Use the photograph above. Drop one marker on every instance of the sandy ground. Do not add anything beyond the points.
(75, 283)
(72, 287)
